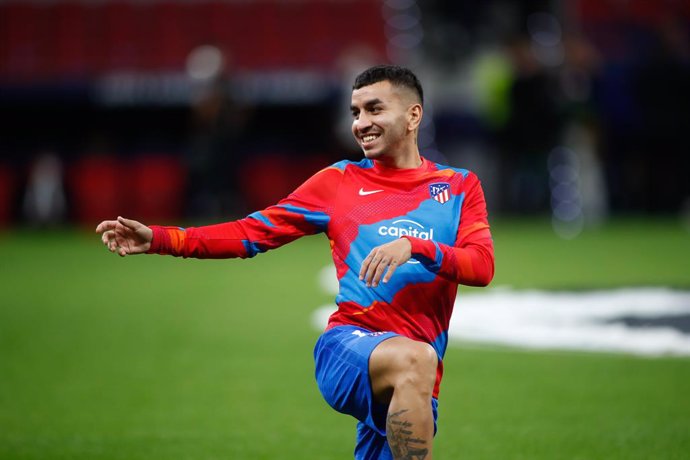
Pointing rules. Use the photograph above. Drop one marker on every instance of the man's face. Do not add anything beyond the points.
(380, 118)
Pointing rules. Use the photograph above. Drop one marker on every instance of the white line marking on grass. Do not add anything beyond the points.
(627, 320)
(595, 320)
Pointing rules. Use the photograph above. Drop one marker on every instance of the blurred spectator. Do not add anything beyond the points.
(579, 79)
(215, 150)
(532, 129)
(606, 80)
(662, 92)
(44, 200)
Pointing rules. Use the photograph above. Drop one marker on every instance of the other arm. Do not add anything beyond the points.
(469, 262)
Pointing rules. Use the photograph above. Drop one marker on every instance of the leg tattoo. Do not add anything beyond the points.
(400, 438)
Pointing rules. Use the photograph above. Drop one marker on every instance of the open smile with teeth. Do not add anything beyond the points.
(369, 137)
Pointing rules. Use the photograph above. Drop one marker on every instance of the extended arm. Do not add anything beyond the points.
(256, 233)
(302, 213)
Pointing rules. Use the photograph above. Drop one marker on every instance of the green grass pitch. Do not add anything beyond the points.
(159, 358)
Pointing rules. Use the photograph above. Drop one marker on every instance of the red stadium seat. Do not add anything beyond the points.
(350, 26)
(8, 191)
(122, 27)
(172, 32)
(297, 29)
(316, 34)
(223, 27)
(4, 40)
(25, 41)
(252, 37)
(265, 179)
(96, 188)
(227, 29)
(150, 188)
(268, 178)
(71, 38)
(77, 38)
(157, 188)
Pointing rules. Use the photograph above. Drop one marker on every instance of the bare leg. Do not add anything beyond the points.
(403, 373)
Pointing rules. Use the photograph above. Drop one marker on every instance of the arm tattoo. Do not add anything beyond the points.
(402, 444)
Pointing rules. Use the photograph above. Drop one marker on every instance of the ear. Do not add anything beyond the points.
(414, 117)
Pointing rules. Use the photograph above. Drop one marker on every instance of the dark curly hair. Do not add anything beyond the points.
(396, 75)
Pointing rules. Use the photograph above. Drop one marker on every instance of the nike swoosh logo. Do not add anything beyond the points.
(362, 192)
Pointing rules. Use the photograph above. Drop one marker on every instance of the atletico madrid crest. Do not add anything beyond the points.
(440, 192)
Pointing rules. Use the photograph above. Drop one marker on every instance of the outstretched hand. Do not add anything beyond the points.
(125, 236)
(387, 256)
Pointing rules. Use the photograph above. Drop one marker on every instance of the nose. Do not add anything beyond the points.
(361, 123)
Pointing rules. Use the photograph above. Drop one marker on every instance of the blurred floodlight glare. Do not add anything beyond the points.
(400, 4)
(549, 56)
(403, 28)
(205, 62)
(562, 156)
(567, 211)
(403, 21)
(568, 230)
(566, 199)
(545, 32)
(563, 173)
(565, 192)
(407, 40)
(544, 29)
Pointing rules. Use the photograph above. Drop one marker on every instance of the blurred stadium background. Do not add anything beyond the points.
(578, 107)
(574, 113)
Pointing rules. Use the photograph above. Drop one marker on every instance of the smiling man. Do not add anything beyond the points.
(385, 114)
(404, 232)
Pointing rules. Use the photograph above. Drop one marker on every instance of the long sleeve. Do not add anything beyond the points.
(471, 260)
(303, 212)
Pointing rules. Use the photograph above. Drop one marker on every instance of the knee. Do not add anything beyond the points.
(404, 366)
(415, 367)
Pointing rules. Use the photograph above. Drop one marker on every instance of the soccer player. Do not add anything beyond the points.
(404, 232)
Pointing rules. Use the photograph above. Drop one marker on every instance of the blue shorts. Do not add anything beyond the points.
(342, 374)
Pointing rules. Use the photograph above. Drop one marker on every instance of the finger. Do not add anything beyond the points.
(379, 272)
(123, 242)
(107, 237)
(106, 225)
(112, 244)
(365, 265)
(129, 223)
(391, 269)
(371, 270)
(122, 251)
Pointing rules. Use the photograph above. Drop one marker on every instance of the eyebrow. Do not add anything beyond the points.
(368, 103)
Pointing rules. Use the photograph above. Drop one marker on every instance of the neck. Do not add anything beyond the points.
(405, 160)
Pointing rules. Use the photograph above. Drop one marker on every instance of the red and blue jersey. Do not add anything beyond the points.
(361, 205)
